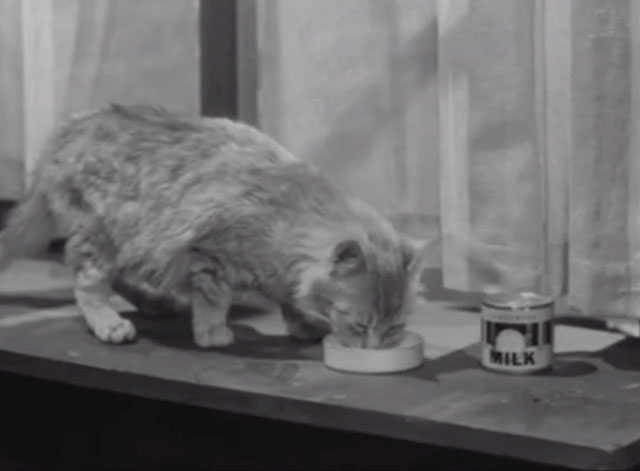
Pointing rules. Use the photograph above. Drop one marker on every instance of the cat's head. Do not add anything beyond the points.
(365, 289)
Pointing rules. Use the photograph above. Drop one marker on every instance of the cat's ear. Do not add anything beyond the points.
(347, 258)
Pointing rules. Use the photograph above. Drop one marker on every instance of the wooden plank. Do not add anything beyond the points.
(247, 61)
(309, 413)
(218, 58)
(585, 415)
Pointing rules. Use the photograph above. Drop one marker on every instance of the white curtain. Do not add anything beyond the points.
(509, 128)
(58, 57)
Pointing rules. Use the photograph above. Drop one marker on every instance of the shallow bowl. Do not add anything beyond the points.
(406, 355)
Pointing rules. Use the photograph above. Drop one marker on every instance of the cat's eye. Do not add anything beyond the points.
(347, 252)
(347, 259)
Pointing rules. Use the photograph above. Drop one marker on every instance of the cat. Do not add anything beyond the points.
(203, 211)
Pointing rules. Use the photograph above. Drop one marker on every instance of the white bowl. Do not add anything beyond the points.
(408, 354)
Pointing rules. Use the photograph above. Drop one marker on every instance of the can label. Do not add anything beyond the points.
(517, 333)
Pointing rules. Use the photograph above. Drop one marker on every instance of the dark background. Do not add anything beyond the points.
(47, 425)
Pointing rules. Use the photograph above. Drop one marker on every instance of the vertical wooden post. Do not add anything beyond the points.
(247, 56)
(218, 58)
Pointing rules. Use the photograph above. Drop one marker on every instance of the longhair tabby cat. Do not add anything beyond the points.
(203, 212)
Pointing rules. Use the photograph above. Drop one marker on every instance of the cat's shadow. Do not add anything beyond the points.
(174, 331)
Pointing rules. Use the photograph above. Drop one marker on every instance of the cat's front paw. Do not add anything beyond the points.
(114, 330)
(213, 336)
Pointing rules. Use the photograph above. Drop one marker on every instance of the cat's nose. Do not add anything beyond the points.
(373, 340)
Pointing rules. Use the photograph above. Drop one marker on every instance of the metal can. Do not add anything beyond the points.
(517, 333)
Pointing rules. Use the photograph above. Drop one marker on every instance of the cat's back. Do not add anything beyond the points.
(141, 147)
(146, 134)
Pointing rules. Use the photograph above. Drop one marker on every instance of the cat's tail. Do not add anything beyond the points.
(28, 229)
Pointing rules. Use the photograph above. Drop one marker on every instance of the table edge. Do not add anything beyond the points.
(421, 431)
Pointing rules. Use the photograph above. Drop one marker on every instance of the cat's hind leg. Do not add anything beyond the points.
(93, 268)
(211, 300)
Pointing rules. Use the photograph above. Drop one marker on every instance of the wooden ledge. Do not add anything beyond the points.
(584, 415)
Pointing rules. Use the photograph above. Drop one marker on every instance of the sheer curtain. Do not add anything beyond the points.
(507, 128)
(58, 57)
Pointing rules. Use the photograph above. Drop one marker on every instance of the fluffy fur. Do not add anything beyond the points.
(198, 212)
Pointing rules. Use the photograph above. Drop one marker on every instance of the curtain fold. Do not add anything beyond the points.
(352, 86)
(509, 128)
(493, 177)
(505, 113)
(11, 164)
(604, 231)
(59, 57)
